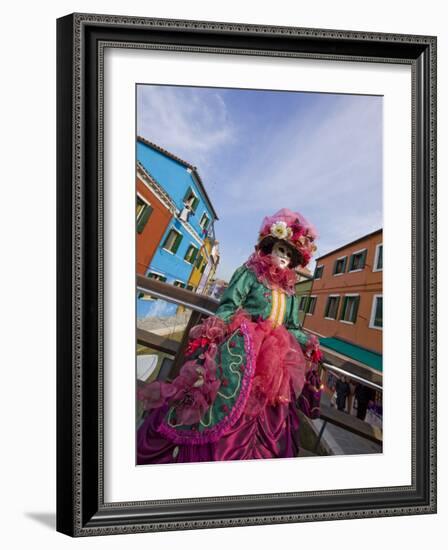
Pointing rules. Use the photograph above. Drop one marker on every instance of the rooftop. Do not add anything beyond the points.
(351, 243)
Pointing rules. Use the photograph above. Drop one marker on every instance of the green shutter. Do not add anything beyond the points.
(194, 255)
(338, 299)
(327, 306)
(379, 312)
(187, 194)
(363, 259)
(147, 211)
(344, 305)
(379, 264)
(355, 310)
(352, 257)
(165, 242)
(195, 204)
(344, 265)
(176, 243)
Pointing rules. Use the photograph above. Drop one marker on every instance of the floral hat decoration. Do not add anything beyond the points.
(292, 228)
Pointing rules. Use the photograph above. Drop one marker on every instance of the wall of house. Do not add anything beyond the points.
(149, 239)
(366, 282)
(175, 179)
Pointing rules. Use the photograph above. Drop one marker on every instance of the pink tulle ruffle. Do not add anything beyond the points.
(280, 364)
(270, 274)
(192, 392)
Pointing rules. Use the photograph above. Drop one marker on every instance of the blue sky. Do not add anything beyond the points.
(258, 151)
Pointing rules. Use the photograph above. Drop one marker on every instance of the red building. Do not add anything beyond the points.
(154, 212)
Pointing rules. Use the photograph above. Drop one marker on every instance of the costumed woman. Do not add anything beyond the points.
(246, 368)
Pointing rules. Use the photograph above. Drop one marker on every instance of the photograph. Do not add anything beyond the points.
(259, 274)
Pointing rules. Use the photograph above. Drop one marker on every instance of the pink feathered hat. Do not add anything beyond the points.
(292, 228)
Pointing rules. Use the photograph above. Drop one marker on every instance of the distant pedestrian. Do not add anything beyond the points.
(342, 391)
(363, 394)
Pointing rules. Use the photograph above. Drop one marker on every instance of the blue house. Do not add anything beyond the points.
(194, 220)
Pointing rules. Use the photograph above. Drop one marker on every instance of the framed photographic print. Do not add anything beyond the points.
(234, 203)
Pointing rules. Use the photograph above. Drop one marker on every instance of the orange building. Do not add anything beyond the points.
(346, 295)
(344, 309)
(155, 210)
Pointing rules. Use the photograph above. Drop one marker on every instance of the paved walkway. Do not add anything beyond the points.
(343, 442)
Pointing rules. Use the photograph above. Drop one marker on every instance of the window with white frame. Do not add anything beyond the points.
(172, 241)
(358, 260)
(349, 310)
(191, 254)
(302, 303)
(156, 277)
(331, 308)
(378, 262)
(339, 265)
(376, 318)
(311, 305)
(143, 212)
(191, 201)
(318, 272)
(205, 220)
(179, 284)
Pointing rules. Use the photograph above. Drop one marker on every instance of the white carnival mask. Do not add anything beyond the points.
(282, 254)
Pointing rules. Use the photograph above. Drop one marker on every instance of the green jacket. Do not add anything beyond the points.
(246, 292)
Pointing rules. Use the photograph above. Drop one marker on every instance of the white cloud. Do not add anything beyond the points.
(189, 123)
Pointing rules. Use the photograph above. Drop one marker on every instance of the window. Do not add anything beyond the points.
(318, 272)
(205, 220)
(358, 260)
(191, 200)
(311, 305)
(156, 277)
(302, 303)
(331, 309)
(179, 284)
(349, 309)
(376, 318)
(339, 265)
(204, 265)
(199, 261)
(191, 254)
(172, 241)
(378, 262)
(144, 210)
(190, 287)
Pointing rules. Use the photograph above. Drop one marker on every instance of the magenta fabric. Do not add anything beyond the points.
(270, 434)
